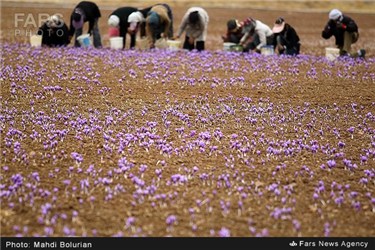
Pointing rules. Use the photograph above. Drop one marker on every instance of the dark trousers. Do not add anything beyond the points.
(255, 42)
(132, 39)
(199, 45)
(349, 39)
(233, 38)
(287, 48)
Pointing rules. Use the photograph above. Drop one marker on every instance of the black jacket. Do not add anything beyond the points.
(123, 14)
(337, 29)
(289, 37)
(53, 37)
(91, 12)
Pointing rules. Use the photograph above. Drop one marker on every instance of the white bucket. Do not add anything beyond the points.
(236, 48)
(174, 44)
(332, 53)
(161, 43)
(36, 40)
(84, 40)
(227, 46)
(116, 42)
(267, 50)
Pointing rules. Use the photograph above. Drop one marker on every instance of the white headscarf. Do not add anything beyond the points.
(335, 14)
(113, 21)
(136, 17)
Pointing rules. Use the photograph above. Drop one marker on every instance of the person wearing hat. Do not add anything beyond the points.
(345, 31)
(118, 19)
(234, 32)
(85, 11)
(159, 23)
(286, 39)
(194, 23)
(256, 35)
(54, 32)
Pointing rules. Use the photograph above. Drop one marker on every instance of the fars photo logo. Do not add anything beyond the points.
(26, 24)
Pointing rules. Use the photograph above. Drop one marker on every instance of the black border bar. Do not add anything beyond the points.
(166, 243)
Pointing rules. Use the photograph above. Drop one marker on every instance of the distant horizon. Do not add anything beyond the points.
(352, 6)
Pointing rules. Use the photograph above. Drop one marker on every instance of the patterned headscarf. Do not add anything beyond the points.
(248, 25)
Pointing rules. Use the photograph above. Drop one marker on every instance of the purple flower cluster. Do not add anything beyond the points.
(131, 135)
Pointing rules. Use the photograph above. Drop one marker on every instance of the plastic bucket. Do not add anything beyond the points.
(142, 44)
(161, 43)
(116, 42)
(84, 40)
(236, 48)
(227, 46)
(174, 44)
(267, 50)
(332, 53)
(36, 40)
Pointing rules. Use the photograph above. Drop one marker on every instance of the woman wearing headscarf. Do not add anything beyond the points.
(286, 39)
(85, 11)
(234, 31)
(194, 23)
(118, 19)
(256, 35)
(159, 23)
(54, 32)
(345, 31)
(137, 21)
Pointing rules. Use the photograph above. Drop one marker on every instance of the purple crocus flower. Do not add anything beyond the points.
(77, 157)
(351, 130)
(224, 232)
(297, 225)
(130, 222)
(331, 163)
(363, 158)
(171, 219)
(35, 176)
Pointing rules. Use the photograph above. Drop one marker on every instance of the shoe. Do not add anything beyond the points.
(362, 53)
(343, 53)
